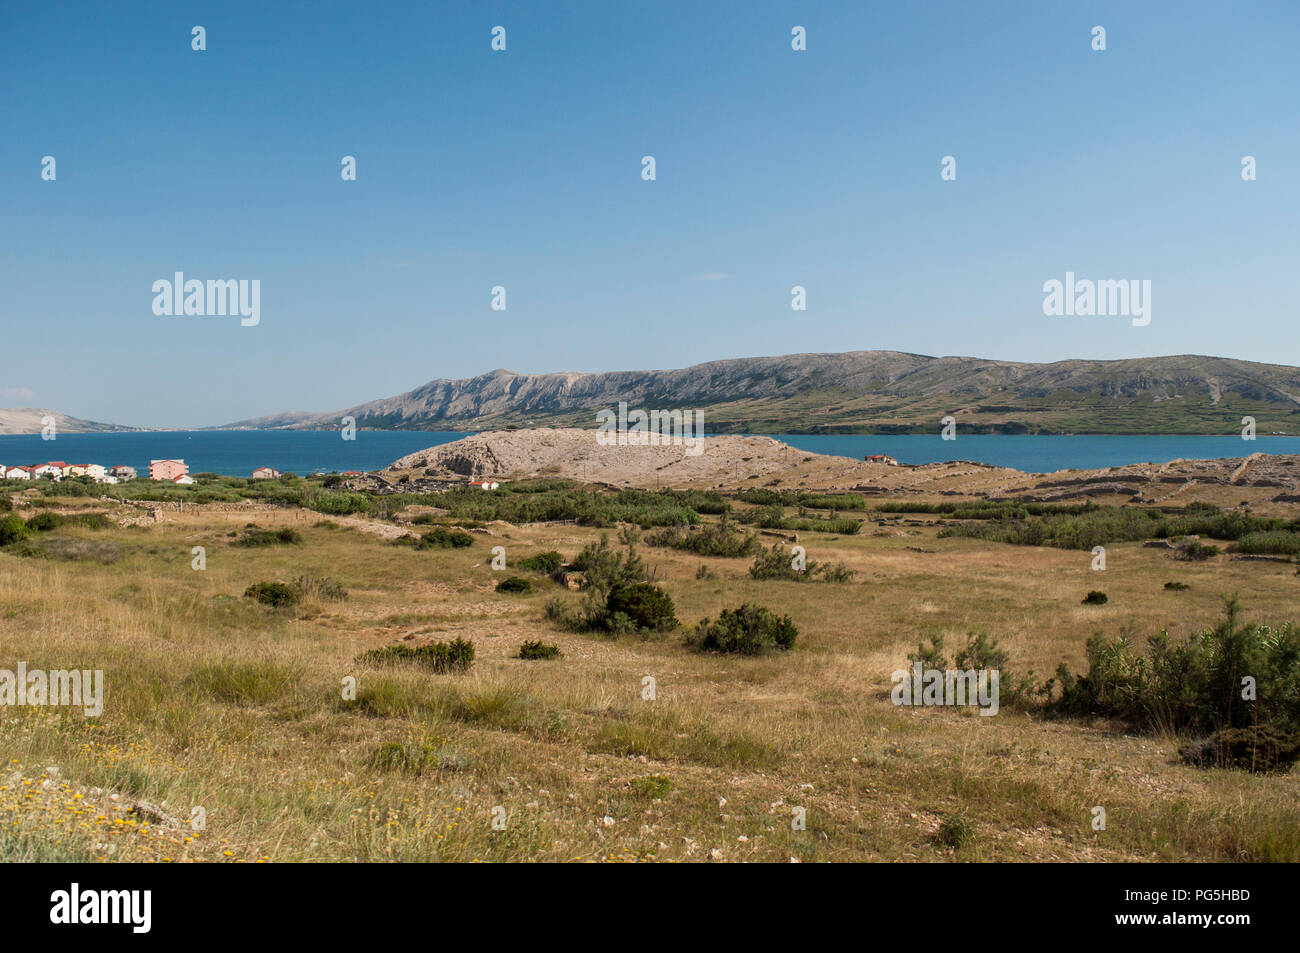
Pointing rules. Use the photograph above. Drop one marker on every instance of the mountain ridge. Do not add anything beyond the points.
(858, 392)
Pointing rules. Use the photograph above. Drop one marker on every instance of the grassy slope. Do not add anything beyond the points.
(216, 702)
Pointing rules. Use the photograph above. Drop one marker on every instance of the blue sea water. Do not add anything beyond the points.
(239, 452)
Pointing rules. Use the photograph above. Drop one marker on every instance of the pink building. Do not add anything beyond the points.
(167, 469)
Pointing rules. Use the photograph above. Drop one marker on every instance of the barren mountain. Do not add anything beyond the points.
(861, 392)
(19, 420)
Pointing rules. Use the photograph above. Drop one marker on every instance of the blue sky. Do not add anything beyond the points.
(775, 168)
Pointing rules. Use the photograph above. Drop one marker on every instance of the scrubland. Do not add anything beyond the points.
(219, 702)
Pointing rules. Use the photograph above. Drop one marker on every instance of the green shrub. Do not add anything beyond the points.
(515, 584)
(13, 529)
(1095, 597)
(1197, 551)
(776, 563)
(1176, 586)
(45, 521)
(605, 568)
(253, 535)
(645, 605)
(1195, 685)
(748, 630)
(536, 649)
(982, 653)
(722, 538)
(1275, 543)
(440, 657)
(275, 594)
(442, 538)
(546, 563)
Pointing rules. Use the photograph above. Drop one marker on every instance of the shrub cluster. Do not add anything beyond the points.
(253, 535)
(278, 595)
(748, 630)
(440, 657)
(776, 563)
(722, 538)
(1195, 685)
(546, 563)
(536, 649)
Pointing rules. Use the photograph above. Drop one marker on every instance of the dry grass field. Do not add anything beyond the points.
(214, 701)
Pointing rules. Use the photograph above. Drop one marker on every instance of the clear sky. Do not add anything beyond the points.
(522, 168)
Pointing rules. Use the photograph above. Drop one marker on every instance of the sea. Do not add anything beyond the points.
(239, 452)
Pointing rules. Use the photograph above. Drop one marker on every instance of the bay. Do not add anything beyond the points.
(239, 452)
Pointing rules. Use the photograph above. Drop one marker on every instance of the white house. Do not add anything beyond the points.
(484, 484)
(183, 480)
(96, 472)
(48, 469)
(18, 473)
(265, 473)
(123, 472)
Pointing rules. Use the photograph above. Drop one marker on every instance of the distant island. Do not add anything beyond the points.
(859, 392)
(31, 420)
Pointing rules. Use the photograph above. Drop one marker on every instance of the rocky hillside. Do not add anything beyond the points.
(735, 462)
(862, 392)
(19, 420)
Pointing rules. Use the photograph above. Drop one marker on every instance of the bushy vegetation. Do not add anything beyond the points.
(747, 630)
(1098, 525)
(1269, 543)
(987, 509)
(981, 653)
(253, 535)
(546, 563)
(619, 597)
(644, 605)
(1173, 586)
(536, 649)
(440, 657)
(440, 538)
(1095, 597)
(1195, 685)
(278, 595)
(773, 517)
(560, 501)
(776, 563)
(818, 501)
(604, 567)
(722, 538)
(13, 529)
(515, 584)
